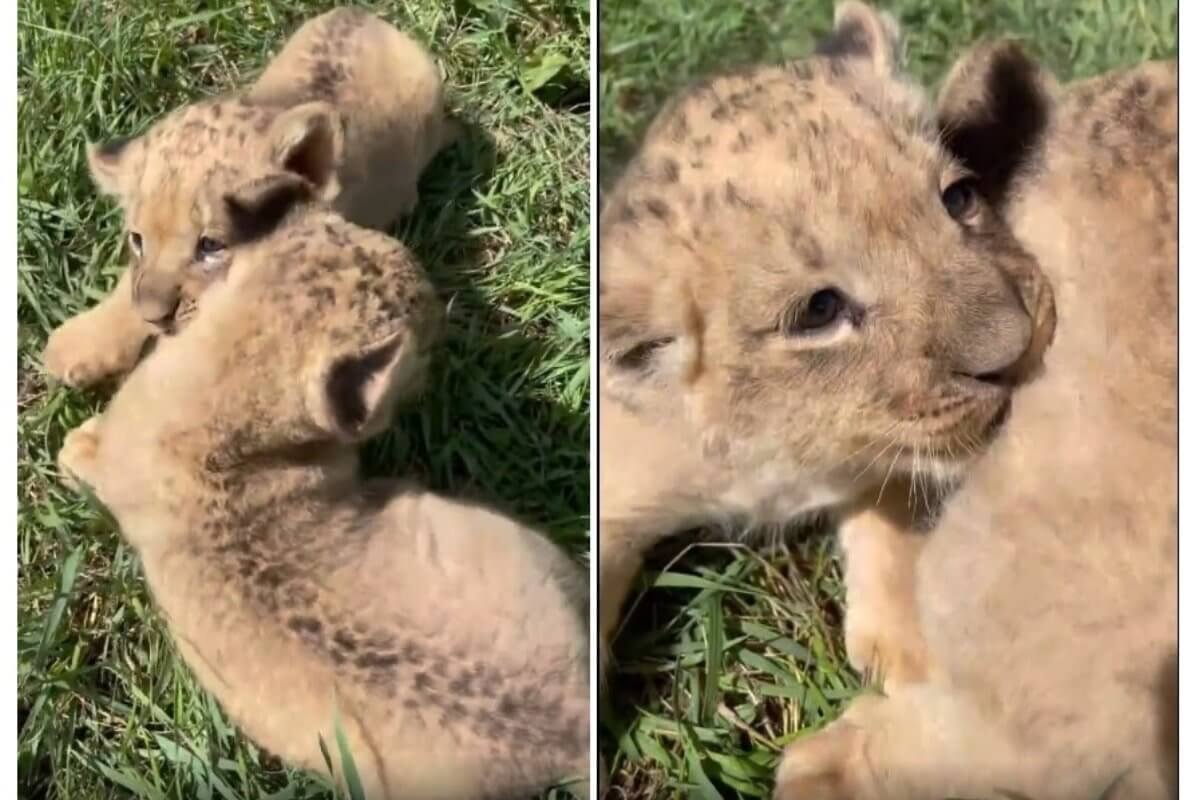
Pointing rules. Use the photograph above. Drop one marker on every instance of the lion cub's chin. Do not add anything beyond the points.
(930, 466)
(930, 472)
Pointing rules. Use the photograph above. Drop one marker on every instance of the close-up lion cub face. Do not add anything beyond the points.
(795, 271)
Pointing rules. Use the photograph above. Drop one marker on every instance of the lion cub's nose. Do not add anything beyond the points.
(159, 313)
(156, 304)
(993, 348)
(1003, 336)
(1037, 332)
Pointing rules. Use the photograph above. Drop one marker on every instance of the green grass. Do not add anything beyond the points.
(105, 707)
(731, 652)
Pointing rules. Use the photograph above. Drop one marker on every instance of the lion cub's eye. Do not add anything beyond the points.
(821, 310)
(960, 199)
(208, 248)
(135, 243)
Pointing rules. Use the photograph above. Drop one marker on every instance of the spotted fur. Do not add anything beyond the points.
(451, 641)
(350, 104)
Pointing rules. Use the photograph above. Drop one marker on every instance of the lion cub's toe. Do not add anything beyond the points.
(77, 454)
(80, 356)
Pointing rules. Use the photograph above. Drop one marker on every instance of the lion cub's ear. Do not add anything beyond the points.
(353, 394)
(256, 208)
(308, 140)
(862, 32)
(993, 110)
(112, 162)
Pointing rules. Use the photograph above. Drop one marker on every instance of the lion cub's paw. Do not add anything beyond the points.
(82, 354)
(821, 766)
(77, 454)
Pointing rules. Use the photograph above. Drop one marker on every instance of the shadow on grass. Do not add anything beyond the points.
(482, 432)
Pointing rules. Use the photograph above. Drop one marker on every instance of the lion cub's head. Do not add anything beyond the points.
(801, 282)
(183, 182)
(318, 329)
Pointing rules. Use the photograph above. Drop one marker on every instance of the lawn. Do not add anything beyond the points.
(105, 707)
(730, 652)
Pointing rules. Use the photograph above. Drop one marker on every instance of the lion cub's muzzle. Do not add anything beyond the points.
(1038, 299)
(156, 298)
(1006, 341)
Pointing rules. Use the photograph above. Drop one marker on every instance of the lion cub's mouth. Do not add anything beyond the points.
(992, 380)
(969, 422)
(183, 314)
(941, 435)
(942, 455)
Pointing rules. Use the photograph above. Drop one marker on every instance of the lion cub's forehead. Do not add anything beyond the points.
(778, 163)
(780, 134)
(211, 143)
(224, 124)
(786, 104)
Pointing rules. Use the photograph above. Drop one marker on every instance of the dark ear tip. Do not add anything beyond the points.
(849, 39)
(258, 208)
(994, 110)
(1011, 46)
(280, 184)
(108, 150)
(1006, 55)
(347, 383)
(860, 31)
(1010, 54)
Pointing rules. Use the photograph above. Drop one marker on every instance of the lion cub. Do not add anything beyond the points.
(802, 298)
(1047, 593)
(449, 640)
(350, 104)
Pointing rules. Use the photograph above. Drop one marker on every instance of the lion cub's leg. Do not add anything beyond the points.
(622, 550)
(882, 631)
(102, 343)
(920, 742)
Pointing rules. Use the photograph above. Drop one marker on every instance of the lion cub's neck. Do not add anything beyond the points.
(670, 484)
(775, 495)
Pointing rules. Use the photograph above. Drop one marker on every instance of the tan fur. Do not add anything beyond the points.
(882, 542)
(752, 192)
(451, 641)
(350, 104)
(1046, 595)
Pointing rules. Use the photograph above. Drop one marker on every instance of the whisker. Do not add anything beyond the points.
(888, 474)
(871, 443)
(870, 464)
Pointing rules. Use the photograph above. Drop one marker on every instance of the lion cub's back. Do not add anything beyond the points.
(386, 84)
(1053, 571)
(1110, 167)
(354, 60)
(1109, 173)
